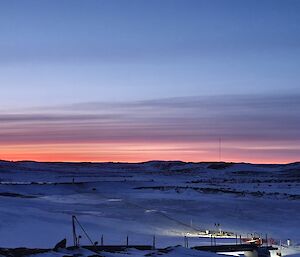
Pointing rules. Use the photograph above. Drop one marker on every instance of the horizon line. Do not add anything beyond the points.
(148, 161)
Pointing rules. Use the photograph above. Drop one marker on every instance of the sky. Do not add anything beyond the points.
(137, 80)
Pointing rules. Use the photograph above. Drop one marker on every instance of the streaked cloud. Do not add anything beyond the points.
(255, 124)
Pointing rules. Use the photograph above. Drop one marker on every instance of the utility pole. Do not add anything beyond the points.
(74, 231)
(153, 242)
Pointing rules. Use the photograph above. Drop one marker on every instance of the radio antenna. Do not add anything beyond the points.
(220, 149)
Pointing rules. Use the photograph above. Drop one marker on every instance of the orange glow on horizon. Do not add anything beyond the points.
(134, 152)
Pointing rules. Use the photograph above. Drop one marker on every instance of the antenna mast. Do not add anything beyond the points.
(74, 231)
(75, 238)
(220, 149)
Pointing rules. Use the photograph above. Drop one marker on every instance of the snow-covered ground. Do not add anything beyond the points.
(165, 199)
(176, 251)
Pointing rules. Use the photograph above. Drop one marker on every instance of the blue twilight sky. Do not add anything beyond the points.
(57, 52)
(134, 80)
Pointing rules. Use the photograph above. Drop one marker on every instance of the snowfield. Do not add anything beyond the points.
(176, 251)
(165, 199)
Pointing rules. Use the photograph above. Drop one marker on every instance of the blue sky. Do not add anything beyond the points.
(76, 51)
(57, 54)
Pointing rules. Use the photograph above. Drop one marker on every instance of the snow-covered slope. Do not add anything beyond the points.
(166, 199)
